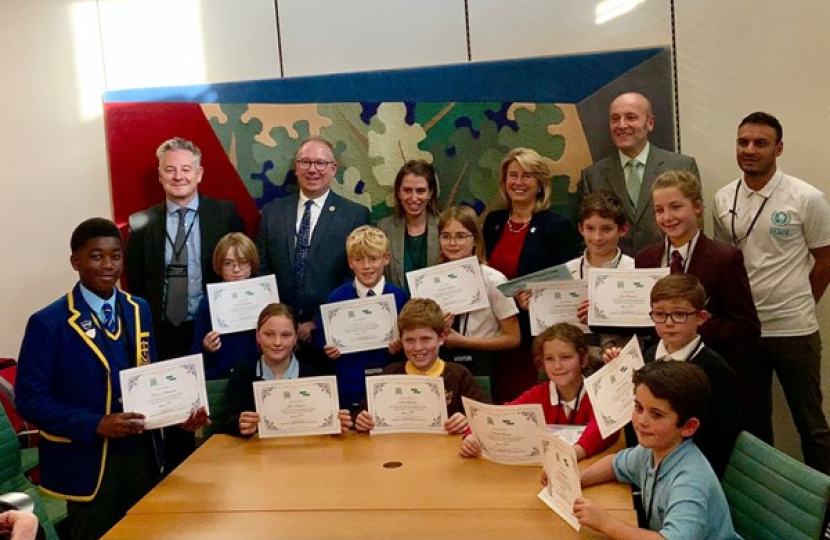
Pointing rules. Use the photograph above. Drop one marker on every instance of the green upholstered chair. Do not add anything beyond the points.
(12, 479)
(484, 382)
(771, 495)
(216, 400)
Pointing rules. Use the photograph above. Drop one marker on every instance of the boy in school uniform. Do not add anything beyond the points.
(682, 497)
(368, 254)
(422, 330)
(677, 309)
(92, 453)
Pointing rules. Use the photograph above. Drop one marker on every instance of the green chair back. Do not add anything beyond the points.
(771, 495)
(216, 400)
(11, 475)
(484, 382)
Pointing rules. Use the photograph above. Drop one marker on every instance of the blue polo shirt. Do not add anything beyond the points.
(682, 497)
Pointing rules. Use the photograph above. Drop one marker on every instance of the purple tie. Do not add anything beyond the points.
(676, 265)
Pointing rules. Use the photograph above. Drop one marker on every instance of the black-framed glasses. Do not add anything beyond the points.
(676, 316)
(458, 238)
(319, 166)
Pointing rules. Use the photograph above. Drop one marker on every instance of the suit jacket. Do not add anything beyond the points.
(395, 229)
(66, 384)
(733, 323)
(551, 240)
(327, 266)
(608, 174)
(145, 247)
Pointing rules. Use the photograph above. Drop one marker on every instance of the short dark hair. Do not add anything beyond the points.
(760, 118)
(93, 228)
(604, 204)
(685, 386)
(682, 287)
(424, 169)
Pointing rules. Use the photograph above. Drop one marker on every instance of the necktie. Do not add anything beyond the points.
(177, 296)
(635, 180)
(301, 251)
(676, 265)
(109, 318)
(370, 293)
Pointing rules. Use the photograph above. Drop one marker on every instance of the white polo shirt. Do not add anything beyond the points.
(484, 322)
(795, 219)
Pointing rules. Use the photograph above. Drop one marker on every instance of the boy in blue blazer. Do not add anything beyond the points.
(92, 453)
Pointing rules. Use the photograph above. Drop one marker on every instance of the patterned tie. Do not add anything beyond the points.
(109, 318)
(635, 180)
(301, 251)
(676, 266)
(177, 296)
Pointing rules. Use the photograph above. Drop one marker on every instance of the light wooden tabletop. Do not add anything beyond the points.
(351, 486)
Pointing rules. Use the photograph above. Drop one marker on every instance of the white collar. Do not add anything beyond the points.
(318, 202)
(362, 290)
(642, 157)
(554, 395)
(686, 353)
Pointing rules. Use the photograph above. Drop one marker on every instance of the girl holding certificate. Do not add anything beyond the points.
(276, 337)
(562, 350)
(475, 337)
(235, 258)
(733, 324)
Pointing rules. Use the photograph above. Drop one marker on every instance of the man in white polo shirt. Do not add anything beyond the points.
(782, 225)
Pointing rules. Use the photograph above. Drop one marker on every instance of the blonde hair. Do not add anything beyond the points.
(276, 310)
(245, 249)
(466, 216)
(367, 240)
(421, 313)
(530, 161)
(685, 182)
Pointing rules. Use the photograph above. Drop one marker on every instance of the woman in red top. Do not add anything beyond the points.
(523, 238)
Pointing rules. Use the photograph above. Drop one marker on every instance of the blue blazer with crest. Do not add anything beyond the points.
(66, 384)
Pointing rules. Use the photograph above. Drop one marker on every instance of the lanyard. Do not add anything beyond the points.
(614, 264)
(175, 254)
(571, 417)
(735, 239)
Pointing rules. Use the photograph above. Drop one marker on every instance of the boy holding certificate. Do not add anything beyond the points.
(92, 453)
(421, 325)
(368, 252)
(677, 309)
(682, 497)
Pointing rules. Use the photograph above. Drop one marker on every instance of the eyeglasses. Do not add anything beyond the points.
(676, 316)
(230, 264)
(319, 166)
(458, 238)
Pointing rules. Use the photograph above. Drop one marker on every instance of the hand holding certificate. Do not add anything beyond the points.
(621, 297)
(507, 434)
(294, 407)
(235, 305)
(457, 286)
(361, 325)
(564, 487)
(612, 391)
(555, 302)
(166, 393)
(406, 404)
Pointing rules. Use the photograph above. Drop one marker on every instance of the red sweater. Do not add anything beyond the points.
(591, 440)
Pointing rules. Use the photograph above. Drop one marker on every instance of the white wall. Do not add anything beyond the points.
(59, 55)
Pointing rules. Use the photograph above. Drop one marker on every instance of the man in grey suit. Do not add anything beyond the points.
(302, 237)
(631, 171)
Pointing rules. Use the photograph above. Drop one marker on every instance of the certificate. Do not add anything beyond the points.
(407, 403)
(167, 392)
(457, 286)
(621, 297)
(554, 273)
(611, 389)
(509, 434)
(553, 302)
(358, 325)
(293, 407)
(564, 486)
(235, 305)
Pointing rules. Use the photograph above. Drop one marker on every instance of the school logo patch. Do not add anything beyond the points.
(781, 219)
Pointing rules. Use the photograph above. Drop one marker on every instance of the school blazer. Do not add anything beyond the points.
(720, 268)
(327, 266)
(395, 229)
(65, 385)
(145, 247)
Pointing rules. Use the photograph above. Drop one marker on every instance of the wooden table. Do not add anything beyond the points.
(351, 487)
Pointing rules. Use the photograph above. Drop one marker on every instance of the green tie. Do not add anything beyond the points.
(635, 181)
